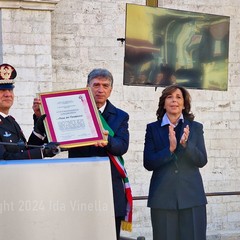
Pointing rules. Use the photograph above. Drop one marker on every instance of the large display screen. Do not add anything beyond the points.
(167, 46)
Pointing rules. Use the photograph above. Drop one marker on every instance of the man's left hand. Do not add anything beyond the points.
(102, 144)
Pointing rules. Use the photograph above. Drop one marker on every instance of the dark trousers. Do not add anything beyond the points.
(184, 224)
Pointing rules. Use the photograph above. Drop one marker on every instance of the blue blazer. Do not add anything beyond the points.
(176, 182)
(117, 145)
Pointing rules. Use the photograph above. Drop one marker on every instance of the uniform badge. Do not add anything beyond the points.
(7, 134)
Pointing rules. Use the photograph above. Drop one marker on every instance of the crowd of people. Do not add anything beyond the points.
(174, 150)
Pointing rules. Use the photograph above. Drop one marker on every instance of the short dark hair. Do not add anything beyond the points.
(100, 72)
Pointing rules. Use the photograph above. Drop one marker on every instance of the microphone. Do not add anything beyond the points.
(53, 146)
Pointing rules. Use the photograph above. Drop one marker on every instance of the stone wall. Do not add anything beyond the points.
(26, 44)
(55, 49)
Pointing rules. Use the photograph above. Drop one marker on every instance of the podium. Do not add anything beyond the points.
(56, 199)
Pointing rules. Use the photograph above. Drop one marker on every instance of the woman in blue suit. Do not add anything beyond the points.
(175, 150)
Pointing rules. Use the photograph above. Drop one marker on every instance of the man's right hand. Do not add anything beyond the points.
(36, 108)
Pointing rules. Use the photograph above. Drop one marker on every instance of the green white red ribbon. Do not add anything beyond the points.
(119, 164)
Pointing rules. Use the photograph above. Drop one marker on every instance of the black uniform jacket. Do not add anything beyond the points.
(10, 133)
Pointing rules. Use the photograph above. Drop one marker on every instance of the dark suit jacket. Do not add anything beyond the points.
(10, 132)
(117, 145)
(176, 182)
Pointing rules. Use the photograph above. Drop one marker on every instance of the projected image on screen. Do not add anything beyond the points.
(166, 46)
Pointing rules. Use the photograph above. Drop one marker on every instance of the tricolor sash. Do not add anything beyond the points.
(119, 164)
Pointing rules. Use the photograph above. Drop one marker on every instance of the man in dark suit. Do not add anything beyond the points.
(13, 144)
(101, 82)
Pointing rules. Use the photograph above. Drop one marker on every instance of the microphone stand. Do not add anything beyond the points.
(21, 144)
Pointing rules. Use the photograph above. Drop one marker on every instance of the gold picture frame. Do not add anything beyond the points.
(72, 118)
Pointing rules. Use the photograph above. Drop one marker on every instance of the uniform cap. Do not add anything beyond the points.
(7, 75)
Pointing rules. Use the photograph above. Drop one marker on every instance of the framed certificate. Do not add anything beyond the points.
(72, 118)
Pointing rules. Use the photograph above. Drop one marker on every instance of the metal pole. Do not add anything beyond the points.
(152, 3)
